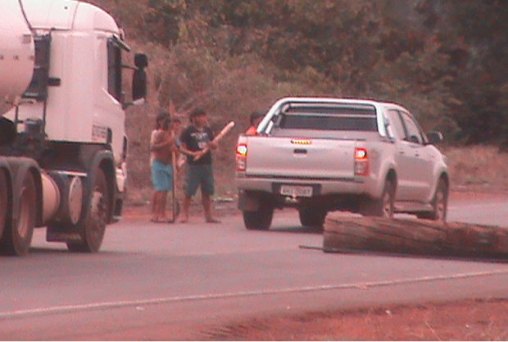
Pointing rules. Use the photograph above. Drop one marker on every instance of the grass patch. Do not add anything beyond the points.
(478, 168)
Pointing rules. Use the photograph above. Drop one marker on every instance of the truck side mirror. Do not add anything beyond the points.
(434, 137)
(139, 77)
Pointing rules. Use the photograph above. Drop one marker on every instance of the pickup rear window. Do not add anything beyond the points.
(343, 118)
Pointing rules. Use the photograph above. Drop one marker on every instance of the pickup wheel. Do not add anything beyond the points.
(312, 217)
(384, 206)
(439, 204)
(17, 235)
(260, 219)
(96, 217)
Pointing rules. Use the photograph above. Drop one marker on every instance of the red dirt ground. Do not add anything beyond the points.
(467, 320)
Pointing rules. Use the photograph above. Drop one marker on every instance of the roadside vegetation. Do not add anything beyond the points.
(478, 168)
(446, 60)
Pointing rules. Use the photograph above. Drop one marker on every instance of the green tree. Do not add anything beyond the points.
(473, 36)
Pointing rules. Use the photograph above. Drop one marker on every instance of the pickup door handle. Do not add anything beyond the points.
(300, 151)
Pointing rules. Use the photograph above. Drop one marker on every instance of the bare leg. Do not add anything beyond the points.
(186, 206)
(154, 206)
(162, 208)
(207, 206)
(157, 206)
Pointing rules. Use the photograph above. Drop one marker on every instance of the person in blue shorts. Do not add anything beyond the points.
(162, 145)
(197, 143)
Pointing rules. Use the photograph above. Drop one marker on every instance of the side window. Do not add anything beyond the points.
(414, 134)
(396, 127)
(115, 70)
(38, 88)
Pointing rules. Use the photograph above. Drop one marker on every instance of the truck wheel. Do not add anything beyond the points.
(384, 206)
(18, 234)
(3, 202)
(439, 204)
(260, 219)
(312, 217)
(96, 217)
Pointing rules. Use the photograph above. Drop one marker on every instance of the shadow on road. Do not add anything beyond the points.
(418, 256)
(297, 230)
(40, 250)
(105, 253)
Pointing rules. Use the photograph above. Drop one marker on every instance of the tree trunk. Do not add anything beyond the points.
(344, 232)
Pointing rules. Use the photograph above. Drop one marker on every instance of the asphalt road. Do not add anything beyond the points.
(157, 281)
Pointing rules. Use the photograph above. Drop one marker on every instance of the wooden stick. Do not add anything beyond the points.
(175, 206)
(216, 140)
(174, 202)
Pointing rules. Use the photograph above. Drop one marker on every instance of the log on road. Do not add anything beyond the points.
(412, 236)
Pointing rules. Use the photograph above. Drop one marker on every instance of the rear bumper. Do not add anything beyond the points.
(323, 187)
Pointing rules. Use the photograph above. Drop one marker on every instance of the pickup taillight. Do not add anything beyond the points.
(361, 162)
(241, 157)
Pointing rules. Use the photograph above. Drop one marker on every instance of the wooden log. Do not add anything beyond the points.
(348, 233)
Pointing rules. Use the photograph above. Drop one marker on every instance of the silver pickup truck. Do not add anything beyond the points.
(324, 154)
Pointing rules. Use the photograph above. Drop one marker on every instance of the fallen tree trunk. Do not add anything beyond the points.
(345, 232)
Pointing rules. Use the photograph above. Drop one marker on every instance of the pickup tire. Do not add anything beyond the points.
(312, 217)
(384, 206)
(439, 204)
(17, 235)
(260, 219)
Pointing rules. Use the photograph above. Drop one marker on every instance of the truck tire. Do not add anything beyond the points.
(17, 235)
(312, 217)
(94, 224)
(439, 204)
(384, 206)
(4, 205)
(260, 219)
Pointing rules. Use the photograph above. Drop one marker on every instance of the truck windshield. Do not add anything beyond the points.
(329, 118)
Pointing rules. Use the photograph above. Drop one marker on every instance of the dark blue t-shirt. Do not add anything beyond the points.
(196, 140)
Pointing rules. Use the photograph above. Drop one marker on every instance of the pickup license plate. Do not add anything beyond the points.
(296, 190)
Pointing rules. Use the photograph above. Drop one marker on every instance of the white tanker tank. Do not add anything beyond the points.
(16, 54)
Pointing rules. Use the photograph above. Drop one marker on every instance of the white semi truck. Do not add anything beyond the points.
(62, 122)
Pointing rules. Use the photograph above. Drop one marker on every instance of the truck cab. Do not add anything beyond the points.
(76, 87)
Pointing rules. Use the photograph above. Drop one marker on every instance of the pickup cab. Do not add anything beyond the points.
(323, 154)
